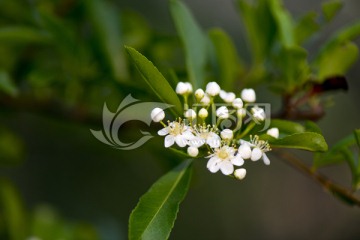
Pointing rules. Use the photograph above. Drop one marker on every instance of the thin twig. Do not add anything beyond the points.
(327, 184)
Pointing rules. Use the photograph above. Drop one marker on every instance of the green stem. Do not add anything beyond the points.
(247, 129)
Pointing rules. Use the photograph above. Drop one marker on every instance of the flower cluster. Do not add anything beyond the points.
(225, 148)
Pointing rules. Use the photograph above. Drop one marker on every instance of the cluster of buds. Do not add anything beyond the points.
(226, 148)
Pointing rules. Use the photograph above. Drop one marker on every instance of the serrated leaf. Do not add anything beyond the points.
(307, 141)
(6, 85)
(286, 127)
(155, 214)
(306, 27)
(331, 8)
(227, 59)
(155, 80)
(194, 41)
(310, 126)
(337, 60)
(106, 24)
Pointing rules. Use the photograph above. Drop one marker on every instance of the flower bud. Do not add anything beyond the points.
(213, 89)
(183, 88)
(193, 151)
(237, 103)
(256, 154)
(248, 95)
(222, 112)
(240, 173)
(274, 132)
(245, 151)
(258, 113)
(199, 94)
(203, 113)
(189, 88)
(227, 134)
(228, 97)
(157, 114)
(190, 114)
(241, 112)
(205, 100)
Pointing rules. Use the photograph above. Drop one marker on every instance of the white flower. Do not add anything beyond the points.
(176, 132)
(199, 94)
(237, 103)
(157, 114)
(222, 112)
(260, 147)
(258, 113)
(205, 100)
(240, 173)
(205, 134)
(191, 114)
(227, 134)
(203, 113)
(184, 88)
(193, 151)
(245, 151)
(228, 97)
(274, 132)
(224, 159)
(248, 95)
(212, 88)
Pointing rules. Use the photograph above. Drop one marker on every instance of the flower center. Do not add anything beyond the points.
(175, 129)
(223, 154)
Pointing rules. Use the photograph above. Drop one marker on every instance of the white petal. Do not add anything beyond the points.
(266, 159)
(213, 164)
(213, 140)
(164, 131)
(256, 154)
(237, 160)
(226, 167)
(245, 151)
(181, 141)
(169, 141)
(196, 142)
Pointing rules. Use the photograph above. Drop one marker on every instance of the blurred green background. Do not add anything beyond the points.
(66, 64)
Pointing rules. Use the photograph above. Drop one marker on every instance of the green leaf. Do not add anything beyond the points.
(310, 126)
(331, 8)
(339, 38)
(194, 40)
(155, 214)
(6, 85)
(284, 23)
(12, 210)
(307, 141)
(228, 62)
(293, 66)
(155, 80)
(260, 26)
(106, 23)
(337, 153)
(337, 60)
(306, 27)
(286, 127)
(22, 34)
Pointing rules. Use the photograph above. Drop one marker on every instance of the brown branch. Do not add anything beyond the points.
(327, 184)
